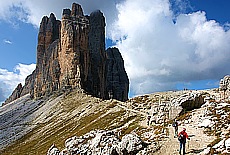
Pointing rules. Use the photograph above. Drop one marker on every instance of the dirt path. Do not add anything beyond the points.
(170, 146)
(197, 143)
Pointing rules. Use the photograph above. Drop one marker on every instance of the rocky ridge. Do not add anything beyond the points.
(71, 54)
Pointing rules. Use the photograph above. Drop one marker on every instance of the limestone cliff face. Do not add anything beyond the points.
(71, 54)
(117, 83)
(28, 88)
(96, 73)
(46, 74)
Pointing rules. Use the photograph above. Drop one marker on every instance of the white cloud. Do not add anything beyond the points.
(159, 53)
(6, 41)
(32, 11)
(9, 80)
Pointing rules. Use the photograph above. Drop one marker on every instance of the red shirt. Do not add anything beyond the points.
(184, 134)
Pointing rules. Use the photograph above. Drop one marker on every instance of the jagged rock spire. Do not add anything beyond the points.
(76, 10)
(71, 54)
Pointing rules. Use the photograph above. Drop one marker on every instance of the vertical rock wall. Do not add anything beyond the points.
(117, 82)
(96, 74)
(47, 68)
(74, 45)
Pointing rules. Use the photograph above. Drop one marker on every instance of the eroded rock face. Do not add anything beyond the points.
(95, 80)
(189, 101)
(45, 77)
(117, 82)
(16, 94)
(71, 54)
(29, 85)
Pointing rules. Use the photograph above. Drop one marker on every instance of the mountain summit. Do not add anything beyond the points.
(71, 54)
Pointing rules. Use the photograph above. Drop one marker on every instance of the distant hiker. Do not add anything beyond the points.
(182, 139)
(175, 125)
(148, 121)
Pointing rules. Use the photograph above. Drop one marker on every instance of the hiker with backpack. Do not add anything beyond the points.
(182, 136)
(175, 125)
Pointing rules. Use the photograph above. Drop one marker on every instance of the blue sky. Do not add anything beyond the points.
(166, 45)
(215, 9)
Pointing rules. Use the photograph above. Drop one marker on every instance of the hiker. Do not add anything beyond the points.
(175, 125)
(182, 139)
(148, 120)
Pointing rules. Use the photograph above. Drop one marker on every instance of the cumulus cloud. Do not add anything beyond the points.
(6, 41)
(9, 80)
(161, 51)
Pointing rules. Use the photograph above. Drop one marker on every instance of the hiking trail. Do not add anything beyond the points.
(197, 143)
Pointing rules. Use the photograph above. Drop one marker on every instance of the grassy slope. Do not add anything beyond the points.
(76, 114)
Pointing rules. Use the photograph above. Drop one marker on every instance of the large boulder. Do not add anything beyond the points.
(130, 144)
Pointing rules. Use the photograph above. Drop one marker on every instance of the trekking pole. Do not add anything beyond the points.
(188, 144)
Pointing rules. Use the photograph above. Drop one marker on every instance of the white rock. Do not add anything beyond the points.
(131, 143)
(53, 150)
(206, 151)
(205, 123)
(227, 145)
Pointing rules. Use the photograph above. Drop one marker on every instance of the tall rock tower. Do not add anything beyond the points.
(71, 54)
(117, 82)
(46, 78)
(96, 77)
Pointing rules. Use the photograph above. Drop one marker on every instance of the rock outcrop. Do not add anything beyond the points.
(71, 54)
(189, 101)
(225, 87)
(225, 83)
(100, 142)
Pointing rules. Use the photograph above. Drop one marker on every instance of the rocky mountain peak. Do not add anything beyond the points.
(76, 10)
(71, 54)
